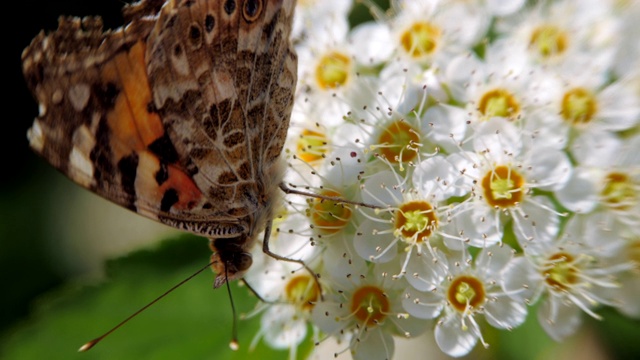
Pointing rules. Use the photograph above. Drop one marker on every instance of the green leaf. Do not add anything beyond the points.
(192, 322)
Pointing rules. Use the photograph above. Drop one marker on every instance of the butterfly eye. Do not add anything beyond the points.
(252, 10)
(244, 261)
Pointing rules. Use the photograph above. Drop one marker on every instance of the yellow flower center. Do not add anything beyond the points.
(465, 291)
(370, 305)
(420, 40)
(548, 41)
(333, 70)
(560, 271)
(578, 106)
(399, 142)
(329, 216)
(416, 221)
(311, 146)
(499, 102)
(619, 191)
(302, 291)
(503, 187)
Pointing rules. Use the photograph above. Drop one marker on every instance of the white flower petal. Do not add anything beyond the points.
(434, 179)
(538, 225)
(558, 318)
(492, 260)
(520, 280)
(283, 327)
(446, 125)
(382, 189)
(423, 305)
(504, 7)
(499, 138)
(550, 169)
(373, 246)
(371, 43)
(374, 344)
(580, 192)
(452, 339)
(330, 317)
(505, 313)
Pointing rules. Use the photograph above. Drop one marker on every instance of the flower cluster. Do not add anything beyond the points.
(496, 145)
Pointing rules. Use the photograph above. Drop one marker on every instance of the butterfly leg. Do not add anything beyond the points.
(287, 190)
(266, 250)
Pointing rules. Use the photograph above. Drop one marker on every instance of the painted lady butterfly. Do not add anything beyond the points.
(180, 115)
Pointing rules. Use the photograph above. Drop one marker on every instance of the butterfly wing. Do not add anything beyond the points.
(97, 125)
(223, 74)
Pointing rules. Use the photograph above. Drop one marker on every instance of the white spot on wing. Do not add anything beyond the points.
(36, 136)
(80, 167)
(79, 96)
(42, 109)
(56, 97)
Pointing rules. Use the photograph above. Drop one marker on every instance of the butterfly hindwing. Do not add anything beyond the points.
(213, 66)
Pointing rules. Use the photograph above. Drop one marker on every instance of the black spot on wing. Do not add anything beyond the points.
(164, 149)
(169, 198)
(106, 94)
(162, 174)
(234, 139)
(209, 23)
(128, 167)
(227, 178)
(229, 6)
(101, 157)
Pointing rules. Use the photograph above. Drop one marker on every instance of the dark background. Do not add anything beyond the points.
(26, 180)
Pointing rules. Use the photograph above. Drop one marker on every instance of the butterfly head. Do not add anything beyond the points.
(229, 260)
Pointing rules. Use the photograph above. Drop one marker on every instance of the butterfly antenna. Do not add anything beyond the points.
(234, 345)
(95, 341)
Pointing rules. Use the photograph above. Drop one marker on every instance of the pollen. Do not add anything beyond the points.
(416, 221)
(503, 187)
(370, 305)
(466, 291)
(500, 103)
(421, 39)
(619, 192)
(548, 41)
(561, 273)
(578, 106)
(333, 70)
(399, 142)
(311, 146)
(302, 291)
(329, 216)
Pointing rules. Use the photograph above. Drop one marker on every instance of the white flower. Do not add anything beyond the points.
(608, 178)
(627, 294)
(503, 172)
(430, 32)
(466, 290)
(569, 274)
(414, 213)
(317, 17)
(365, 310)
(568, 36)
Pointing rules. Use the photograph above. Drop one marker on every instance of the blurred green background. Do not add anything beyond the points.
(57, 291)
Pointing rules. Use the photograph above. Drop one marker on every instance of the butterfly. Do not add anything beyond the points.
(180, 115)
